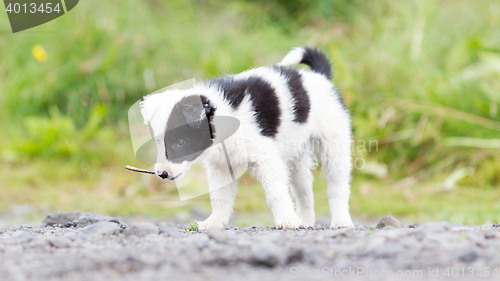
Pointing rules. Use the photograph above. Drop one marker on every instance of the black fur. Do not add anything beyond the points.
(189, 130)
(302, 105)
(264, 100)
(210, 109)
(193, 109)
(318, 62)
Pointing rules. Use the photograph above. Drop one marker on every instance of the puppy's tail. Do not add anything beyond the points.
(314, 58)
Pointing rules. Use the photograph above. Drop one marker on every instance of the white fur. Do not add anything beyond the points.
(293, 57)
(278, 163)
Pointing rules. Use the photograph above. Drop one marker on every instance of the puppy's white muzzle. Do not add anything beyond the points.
(170, 171)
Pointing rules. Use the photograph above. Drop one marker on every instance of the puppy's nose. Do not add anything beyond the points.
(163, 175)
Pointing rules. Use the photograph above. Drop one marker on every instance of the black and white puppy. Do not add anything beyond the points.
(282, 112)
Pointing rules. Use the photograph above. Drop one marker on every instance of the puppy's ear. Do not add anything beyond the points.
(209, 107)
(195, 108)
(192, 109)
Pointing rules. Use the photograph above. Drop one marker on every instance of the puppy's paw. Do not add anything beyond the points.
(307, 219)
(293, 222)
(342, 222)
(210, 223)
(307, 223)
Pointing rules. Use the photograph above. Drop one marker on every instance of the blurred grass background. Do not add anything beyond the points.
(421, 78)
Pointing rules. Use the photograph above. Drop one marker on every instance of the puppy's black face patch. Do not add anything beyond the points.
(186, 143)
(189, 130)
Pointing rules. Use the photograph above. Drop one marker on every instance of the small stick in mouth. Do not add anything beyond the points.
(139, 170)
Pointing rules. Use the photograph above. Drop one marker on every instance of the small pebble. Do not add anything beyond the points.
(91, 218)
(388, 221)
(60, 218)
(102, 228)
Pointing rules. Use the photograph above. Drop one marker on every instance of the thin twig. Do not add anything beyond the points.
(139, 170)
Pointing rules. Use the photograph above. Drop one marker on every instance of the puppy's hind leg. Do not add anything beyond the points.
(302, 188)
(335, 152)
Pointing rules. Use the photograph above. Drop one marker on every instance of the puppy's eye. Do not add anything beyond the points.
(180, 142)
(157, 141)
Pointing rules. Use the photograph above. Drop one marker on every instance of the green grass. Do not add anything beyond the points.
(421, 78)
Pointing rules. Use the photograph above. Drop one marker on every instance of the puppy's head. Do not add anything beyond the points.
(182, 126)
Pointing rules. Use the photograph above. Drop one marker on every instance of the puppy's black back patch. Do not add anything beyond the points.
(263, 96)
(302, 105)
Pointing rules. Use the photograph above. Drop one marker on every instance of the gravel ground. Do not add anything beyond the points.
(75, 246)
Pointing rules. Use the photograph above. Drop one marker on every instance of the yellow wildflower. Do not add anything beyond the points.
(39, 53)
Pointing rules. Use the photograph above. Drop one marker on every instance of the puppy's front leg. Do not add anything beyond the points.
(221, 198)
(273, 176)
